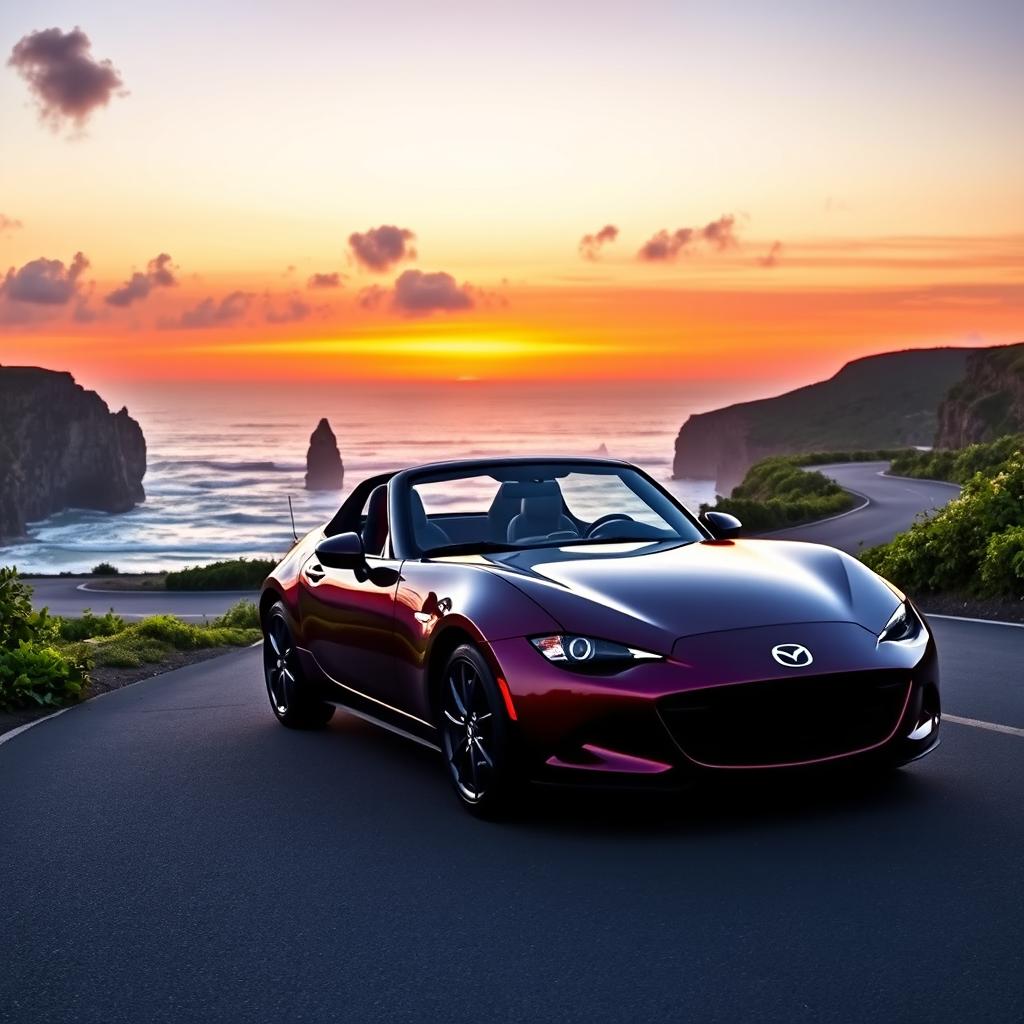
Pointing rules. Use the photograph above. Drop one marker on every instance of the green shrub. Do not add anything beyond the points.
(87, 626)
(18, 621)
(152, 639)
(1002, 568)
(33, 673)
(33, 670)
(243, 615)
(105, 569)
(239, 574)
(777, 492)
(970, 545)
(959, 465)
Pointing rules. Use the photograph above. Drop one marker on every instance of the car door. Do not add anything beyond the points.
(348, 614)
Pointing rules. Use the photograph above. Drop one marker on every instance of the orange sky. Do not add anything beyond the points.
(841, 183)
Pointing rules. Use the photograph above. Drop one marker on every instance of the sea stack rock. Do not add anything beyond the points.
(61, 447)
(324, 469)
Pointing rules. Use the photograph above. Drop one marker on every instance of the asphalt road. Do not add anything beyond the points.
(170, 853)
(893, 504)
(69, 596)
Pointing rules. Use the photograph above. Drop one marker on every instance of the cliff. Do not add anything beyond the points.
(324, 469)
(61, 447)
(882, 401)
(988, 402)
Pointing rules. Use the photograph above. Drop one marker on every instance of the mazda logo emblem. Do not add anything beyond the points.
(792, 655)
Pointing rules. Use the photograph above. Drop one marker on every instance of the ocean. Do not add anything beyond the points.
(222, 461)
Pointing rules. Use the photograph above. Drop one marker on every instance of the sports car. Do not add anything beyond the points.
(568, 620)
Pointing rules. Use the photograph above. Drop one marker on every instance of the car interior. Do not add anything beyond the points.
(523, 512)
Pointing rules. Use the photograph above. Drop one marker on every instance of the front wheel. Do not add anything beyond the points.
(476, 735)
(292, 697)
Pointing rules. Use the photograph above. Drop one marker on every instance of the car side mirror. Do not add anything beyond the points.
(722, 525)
(342, 551)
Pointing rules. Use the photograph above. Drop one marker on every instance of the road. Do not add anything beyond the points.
(170, 853)
(893, 504)
(69, 596)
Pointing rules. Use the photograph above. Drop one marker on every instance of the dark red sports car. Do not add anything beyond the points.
(568, 620)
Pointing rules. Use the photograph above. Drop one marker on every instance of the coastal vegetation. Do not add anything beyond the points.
(957, 465)
(778, 492)
(975, 545)
(51, 661)
(236, 574)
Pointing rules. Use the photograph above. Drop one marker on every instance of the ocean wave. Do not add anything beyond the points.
(225, 467)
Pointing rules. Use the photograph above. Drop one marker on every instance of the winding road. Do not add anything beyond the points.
(170, 853)
(892, 504)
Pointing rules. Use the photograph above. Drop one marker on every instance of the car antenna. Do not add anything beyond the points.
(291, 512)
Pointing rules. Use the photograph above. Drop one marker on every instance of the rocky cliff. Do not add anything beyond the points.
(61, 447)
(883, 401)
(988, 402)
(324, 469)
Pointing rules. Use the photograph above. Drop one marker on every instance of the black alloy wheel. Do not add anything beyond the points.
(292, 698)
(475, 734)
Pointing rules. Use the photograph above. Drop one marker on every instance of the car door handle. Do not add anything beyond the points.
(314, 573)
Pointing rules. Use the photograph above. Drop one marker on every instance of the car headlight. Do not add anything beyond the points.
(904, 625)
(575, 651)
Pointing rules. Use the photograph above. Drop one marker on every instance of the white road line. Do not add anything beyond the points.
(984, 622)
(1009, 730)
(30, 725)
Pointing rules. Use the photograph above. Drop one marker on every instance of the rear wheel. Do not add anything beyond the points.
(292, 697)
(476, 735)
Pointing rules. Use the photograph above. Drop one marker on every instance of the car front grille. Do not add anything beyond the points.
(787, 721)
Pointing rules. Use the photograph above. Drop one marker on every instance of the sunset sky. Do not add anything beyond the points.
(577, 190)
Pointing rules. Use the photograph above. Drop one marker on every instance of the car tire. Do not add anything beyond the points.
(293, 699)
(477, 739)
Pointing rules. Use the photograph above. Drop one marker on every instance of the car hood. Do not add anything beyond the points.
(651, 594)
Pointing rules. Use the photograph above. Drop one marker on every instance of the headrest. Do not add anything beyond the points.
(543, 506)
(419, 513)
(529, 489)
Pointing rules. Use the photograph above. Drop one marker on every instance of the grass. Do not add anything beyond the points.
(237, 574)
(107, 641)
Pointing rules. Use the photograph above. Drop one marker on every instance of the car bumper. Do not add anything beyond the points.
(718, 705)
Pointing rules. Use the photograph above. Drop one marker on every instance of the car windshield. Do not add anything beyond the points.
(540, 505)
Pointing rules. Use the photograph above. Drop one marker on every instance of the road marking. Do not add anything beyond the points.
(984, 622)
(30, 725)
(1009, 730)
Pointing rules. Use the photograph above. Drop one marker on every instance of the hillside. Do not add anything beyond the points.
(62, 447)
(988, 402)
(882, 401)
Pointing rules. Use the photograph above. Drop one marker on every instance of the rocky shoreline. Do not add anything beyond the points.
(61, 447)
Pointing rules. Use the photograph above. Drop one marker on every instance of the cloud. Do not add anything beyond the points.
(665, 246)
(590, 245)
(720, 233)
(419, 294)
(332, 280)
(211, 313)
(379, 249)
(771, 257)
(9, 224)
(371, 296)
(44, 282)
(159, 274)
(294, 311)
(64, 79)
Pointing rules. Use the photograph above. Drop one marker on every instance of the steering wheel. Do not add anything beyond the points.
(612, 517)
